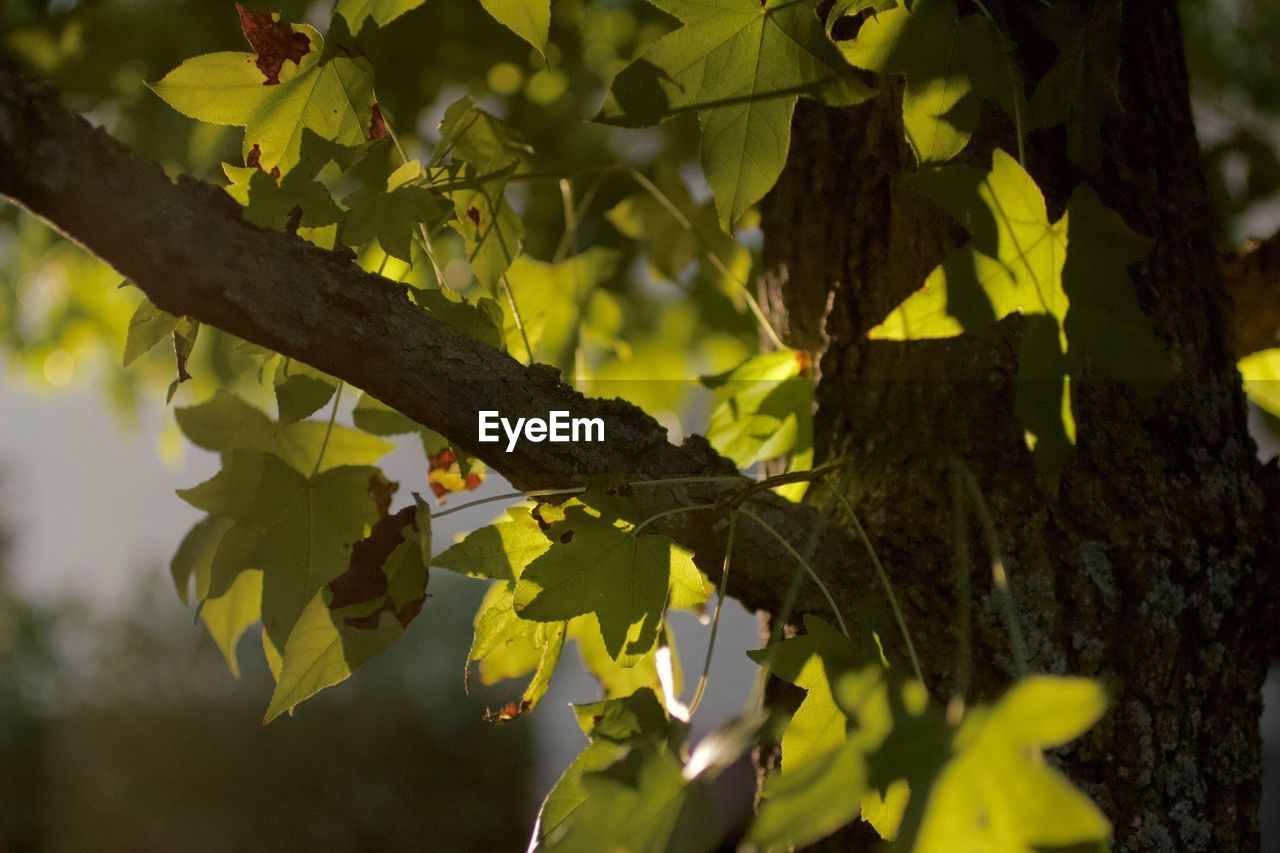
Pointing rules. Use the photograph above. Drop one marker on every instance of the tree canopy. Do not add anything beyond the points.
(405, 213)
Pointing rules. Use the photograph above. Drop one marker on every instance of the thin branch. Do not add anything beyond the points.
(187, 247)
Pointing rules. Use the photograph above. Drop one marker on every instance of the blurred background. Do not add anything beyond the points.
(120, 727)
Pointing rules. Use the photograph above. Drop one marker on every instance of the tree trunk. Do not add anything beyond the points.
(1147, 566)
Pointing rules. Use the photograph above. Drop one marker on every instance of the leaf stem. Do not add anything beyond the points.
(328, 431)
(635, 531)
(676, 213)
(998, 574)
(715, 618)
(884, 581)
(507, 496)
(844, 629)
(1012, 70)
(425, 236)
(964, 595)
(515, 313)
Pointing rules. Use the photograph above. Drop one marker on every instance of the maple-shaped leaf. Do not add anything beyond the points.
(390, 215)
(552, 298)
(818, 725)
(1082, 87)
(741, 65)
(274, 42)
(505, 645)
(950, 65)
(996, 791)
(597, 566)
(297, 530)
(1068, 279)
(332, 96)
(613, 726)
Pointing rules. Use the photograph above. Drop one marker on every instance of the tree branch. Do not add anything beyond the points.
(1253, 281)
(185, 245)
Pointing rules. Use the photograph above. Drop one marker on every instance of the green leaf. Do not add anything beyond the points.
(741, 65)
(329, 96)
(219, 88)
(529, 19)
(1261, 373)
(596, 567)
(230, 615)
(480, 319)
(298, 531)
(485, 150)
(1082, 87)
(818, 725)
(998, 792)
(764, 408)
(319, 654)
(507, 646)
(616, 680)
(226, 423)
(1018, 262)
(381, 12)
(392, 216)
(551, 298)
(360, 615)
(500, 551)
(301, 390)
(950, 65)
(148, 327)
(613, 726)
(642, 803)
(295, 200)
(811, 802)
(194, 557)
(672, 243)
(374, 416)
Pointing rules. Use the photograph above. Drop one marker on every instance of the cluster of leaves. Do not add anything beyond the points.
(300, 532)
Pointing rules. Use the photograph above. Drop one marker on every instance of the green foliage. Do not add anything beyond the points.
(296, 530)
(1261, 373)
(740, 65)
(865, 739)
(597, 556)
(1078, 306)
(1082, 89)
(600, 251)
(950, 65)
(331, 96)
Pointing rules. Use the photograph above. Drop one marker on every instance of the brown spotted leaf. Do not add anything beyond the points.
(273, 41)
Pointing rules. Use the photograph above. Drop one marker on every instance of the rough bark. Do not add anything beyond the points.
(1149, 565)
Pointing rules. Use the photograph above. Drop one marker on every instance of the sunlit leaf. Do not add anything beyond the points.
(741, 65)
